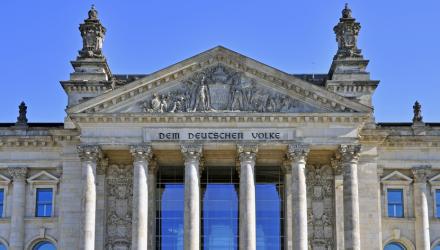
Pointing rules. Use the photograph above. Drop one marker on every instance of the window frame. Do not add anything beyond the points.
(435, 185)
(37, 203)
(402, 202)
(4, 184)
(49, 182)
(396, 180)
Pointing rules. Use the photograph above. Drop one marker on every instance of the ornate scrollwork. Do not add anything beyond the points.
(192, 152)
(221, 89)
(141, 152)
(89, 152)
(297, 152)
(247, 152)
(92, 33)
(347, 31)
(349, 152)
(17, 173)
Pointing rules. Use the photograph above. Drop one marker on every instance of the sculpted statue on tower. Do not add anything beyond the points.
(92, 33)
(347, 31)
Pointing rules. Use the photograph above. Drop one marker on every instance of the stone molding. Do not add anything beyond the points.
(18, 173)
(298, 152)
(89, 152)
(141, 152)
(349, 152)
(421, 173)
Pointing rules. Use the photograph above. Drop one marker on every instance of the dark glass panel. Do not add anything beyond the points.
(2, 196)
(394, 246)
(395, 202)
(44, 202)
(44, 246)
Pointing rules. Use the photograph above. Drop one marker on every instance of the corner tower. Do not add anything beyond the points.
(348, 76)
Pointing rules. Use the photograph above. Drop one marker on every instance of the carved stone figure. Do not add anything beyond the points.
(155, 104)
(347, 31)
(93, 34)
(22, 120)
(417, 112)
(203, 102)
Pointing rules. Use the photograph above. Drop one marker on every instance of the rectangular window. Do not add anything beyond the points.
(2, 198)
(437, 203)
(44, 202)
(395, 203)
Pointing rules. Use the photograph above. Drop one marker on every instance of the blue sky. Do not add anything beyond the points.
(40, 38)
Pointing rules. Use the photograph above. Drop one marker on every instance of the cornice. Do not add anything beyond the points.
(311, 94)
(233, 117)
(36, 141)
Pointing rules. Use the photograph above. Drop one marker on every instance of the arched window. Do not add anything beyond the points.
(2, 247)
(437, 247)
(394, 246)
(44, 245)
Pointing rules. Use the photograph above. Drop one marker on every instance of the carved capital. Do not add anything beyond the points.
(192, 152)
(18, 173)
(141, 152)
(421, 173)
(336, 165)
(297, 152)
(247, 152)
(89, 152)
(349, 152)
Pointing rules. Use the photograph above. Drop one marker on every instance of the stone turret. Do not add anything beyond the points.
(348, 76)
(91, 74)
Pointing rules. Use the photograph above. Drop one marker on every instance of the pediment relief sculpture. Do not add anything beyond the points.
(220, 89)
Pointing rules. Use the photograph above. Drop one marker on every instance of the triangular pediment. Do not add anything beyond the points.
(219, 80)
(396, 176)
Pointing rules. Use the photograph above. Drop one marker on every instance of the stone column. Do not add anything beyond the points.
(421, 207)
(339, 203)
(141, 156)
(16, 240)
(297, 154)
(90, 155)
(192, 155)
(288, 218)
(152, 200)
(247, 221)
(349, 161)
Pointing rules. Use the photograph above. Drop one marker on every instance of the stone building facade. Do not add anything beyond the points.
(220, 151)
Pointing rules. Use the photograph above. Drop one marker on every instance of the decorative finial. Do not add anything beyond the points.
(93, 34)
(22, 119)
(346, 12)
(347, 31)
(417, 112)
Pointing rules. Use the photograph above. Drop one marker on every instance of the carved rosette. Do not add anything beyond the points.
(17, 173)
(141, 152)
(320, 211)
(298, 152)
(421, 173)
(90, 153)
(349, 153)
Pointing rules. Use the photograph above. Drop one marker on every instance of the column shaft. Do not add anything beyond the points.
(350, 157)
(192, 156)
(288, 209)
(247, 221)
(16, 240)
(89, 156)
(421, 207)
(152, 205)
(298, 155)
(141, 156)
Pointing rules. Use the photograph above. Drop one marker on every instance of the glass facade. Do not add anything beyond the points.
(269, 193)
(219, 208)
(169, 214)
(394, 246)
(395, 203)
(44, 245)
(2, 247)
(44, 202)
(2, 202)
(437, 203)
(219, 205)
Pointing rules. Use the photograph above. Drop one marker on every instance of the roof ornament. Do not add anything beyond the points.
(417, 108)
(92, 33)
(347, 31)
(22, 120)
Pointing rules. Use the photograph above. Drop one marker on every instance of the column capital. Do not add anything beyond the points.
(349, 152)
(297, 152)
(89, 152)
(335, 162)
(247, 152)
(17, 173)
(191, 151)
(141, 152)
(421, 173)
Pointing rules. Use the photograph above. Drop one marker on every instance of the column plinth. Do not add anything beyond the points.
(421, 206)
(90, 155)
(297, 154)
(192, 155)
(247, 222)
(349, 160)
(141, 157)
(16, 239)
